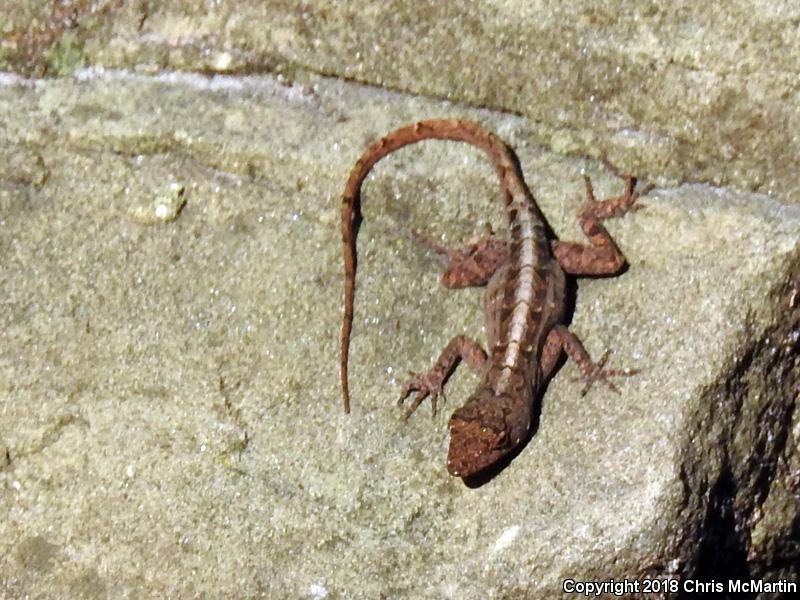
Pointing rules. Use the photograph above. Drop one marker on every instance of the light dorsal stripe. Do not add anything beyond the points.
(523, 256)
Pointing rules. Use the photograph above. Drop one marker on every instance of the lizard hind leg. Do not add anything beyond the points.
(474, 264)
(601, 256)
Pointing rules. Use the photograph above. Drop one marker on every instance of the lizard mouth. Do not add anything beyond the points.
(474, 447)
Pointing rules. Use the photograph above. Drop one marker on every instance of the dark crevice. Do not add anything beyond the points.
(722, 551)
(735, 458)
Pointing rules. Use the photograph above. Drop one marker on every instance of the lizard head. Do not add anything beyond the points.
(485, 430)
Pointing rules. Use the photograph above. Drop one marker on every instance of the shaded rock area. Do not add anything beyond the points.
(682, 91)
(171, 418)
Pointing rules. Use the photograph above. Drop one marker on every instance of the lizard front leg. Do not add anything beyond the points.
(473, 265)
(560, 338)
(431, 383)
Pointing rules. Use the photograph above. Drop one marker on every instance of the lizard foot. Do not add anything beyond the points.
(422, 386)
(594, 372)
(617, 206)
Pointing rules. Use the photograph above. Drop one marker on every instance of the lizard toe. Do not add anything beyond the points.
(423, 386)
(598, 373)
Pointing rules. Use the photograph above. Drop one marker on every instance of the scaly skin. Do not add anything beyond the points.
(524, 300)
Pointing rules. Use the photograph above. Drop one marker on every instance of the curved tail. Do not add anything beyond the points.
(445, 129)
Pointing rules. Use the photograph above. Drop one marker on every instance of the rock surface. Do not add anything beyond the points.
(680, 91)
(170, 419)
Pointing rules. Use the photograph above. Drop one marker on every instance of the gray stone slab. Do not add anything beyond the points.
(680, 91)
(170, 414)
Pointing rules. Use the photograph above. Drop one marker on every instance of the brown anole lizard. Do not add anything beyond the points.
(524, 302)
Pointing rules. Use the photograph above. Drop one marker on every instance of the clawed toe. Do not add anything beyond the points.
(596, 373)
(617, 206)
(422, 386)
